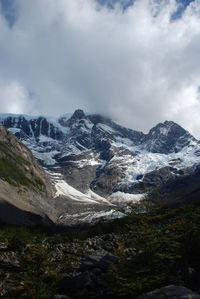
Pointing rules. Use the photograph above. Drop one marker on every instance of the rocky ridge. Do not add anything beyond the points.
(24, 186)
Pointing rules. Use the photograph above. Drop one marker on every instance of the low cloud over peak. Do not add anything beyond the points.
(139, 66)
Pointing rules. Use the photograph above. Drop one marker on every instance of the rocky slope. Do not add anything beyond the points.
(24, 185)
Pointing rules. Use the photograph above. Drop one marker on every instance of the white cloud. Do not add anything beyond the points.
(14, 97)
(139, 67)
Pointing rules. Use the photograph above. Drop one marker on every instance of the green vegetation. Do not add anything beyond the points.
(10, 172)
(12, 169)
(162, 248)
(156, 247)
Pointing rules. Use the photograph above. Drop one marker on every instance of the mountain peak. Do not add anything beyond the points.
(167, 137)
(68, 120)
(78, 114)
(169, 122)
(167, 127)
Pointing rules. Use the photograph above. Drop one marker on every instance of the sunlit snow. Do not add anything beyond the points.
(145, 162)
(121, 197)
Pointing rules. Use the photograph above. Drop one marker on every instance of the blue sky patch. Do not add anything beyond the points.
(111, 3)
(180, 11)
(126, 3)
(8, 8)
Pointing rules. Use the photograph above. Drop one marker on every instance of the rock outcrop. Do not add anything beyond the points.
(171, 291)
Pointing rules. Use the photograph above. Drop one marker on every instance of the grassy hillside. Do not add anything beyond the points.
(18, 166)
(14, 169)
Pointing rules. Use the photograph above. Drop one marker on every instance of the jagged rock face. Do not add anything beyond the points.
(115, 130)
(80, 131)
(167, 137)
(93, 152)
(32, 128)
(77, 118)
(156, 179)
(95, 132)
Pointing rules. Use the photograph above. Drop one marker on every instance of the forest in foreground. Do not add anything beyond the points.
(152, 247)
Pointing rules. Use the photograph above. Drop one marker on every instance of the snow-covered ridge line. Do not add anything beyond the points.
(26, 116)
(96, 146)
(29, 117)
(164, 129)
(51, 119)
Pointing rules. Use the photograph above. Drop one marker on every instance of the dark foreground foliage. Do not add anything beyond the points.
(162, 248)
(156, 247)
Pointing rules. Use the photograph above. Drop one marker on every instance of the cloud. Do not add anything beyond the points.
(13, 97)
(139, 66)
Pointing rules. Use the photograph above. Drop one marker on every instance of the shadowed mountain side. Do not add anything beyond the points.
(24, 185)
(13, 215)
(187, 187)
(178, 191)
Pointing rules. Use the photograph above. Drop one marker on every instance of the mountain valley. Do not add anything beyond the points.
(95, 164)
(90, 209)
(97, 167)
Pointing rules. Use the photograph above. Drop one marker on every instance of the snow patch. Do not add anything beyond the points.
(97, 197)
(44, 138)
(14, 130)
(164, 131)
(64, 189)
(121, 197)
(106, 128)
(47, 158)
(146, 162)
(93, 217)
(87, 162)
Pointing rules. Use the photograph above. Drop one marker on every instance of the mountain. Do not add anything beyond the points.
(24, 185)
(167, 137)
(185, 189)
(28, 195)
(94, 161)
(90, 168)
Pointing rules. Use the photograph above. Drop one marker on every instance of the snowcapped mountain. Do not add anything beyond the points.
(91, 158)
(167, 137)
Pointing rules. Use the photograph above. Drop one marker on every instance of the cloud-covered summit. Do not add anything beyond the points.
(139, 66)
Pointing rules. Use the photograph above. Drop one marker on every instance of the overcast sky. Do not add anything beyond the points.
(138, 63)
